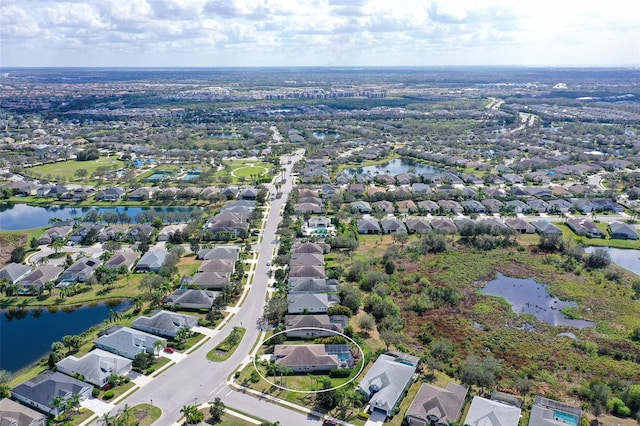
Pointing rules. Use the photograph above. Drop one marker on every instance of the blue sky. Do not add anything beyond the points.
(319, 32)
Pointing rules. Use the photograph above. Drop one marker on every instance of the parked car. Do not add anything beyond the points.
(169, 350)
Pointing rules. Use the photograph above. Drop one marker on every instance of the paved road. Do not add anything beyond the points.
(196, 380)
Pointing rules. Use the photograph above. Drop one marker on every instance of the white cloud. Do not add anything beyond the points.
(318, 32)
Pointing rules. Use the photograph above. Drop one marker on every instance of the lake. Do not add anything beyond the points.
(526, 296)
(27, 334)
(627, 258)
(397, 166)
(14, 217)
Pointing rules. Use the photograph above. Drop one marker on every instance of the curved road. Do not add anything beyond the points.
(196, 380)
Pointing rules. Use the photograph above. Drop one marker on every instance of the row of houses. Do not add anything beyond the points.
(114, 351)
(32, 279)
(68, 230)
(116, 193)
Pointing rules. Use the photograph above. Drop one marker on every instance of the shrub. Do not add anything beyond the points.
(95, 392)
(108, 395)
(362, 415)
(340, 372)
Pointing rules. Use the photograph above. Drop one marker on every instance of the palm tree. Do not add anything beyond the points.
(57, 244)
(49, 286)
(190, 414)
(73, 402)
(157, 345)
(108, 420)
(4, 285)
(114, 316)
(59, 404)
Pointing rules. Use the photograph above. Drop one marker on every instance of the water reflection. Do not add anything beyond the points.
(530, 297)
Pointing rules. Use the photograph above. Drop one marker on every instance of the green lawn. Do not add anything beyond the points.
(226, 348)
(67, 169)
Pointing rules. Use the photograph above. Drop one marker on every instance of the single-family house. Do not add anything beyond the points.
(141, 231)
(368, 225)
(167, 232)
(361, 207)
(142, 194)
(545, 227)
(301, 208)
(96, 367)
(165, 323)
(548, 412)
(220, 252)
(312, 259)
(492, 205)
(513, 178)
(468, 192)
(313, 357)
(435, 404)
(128, 342)
(493, 226)
(209, 280)
(450, 206)
(386, 381)
(312, 326)
(406, 206)
(517, 206)
(152, 261)
(186, 298)
(218, 265)
(110, 194)
(14, 272)
(307, 271)
(356, 189)
(310, 248)
(126, 258)
(392, 225)
(473, 206)
(35, 280)
(15, 414)
(559, 206)
(55, 233)
(428, 206)
(443, 225)
(420, 188)
(584, 227)
(537, 205)
(84, 230)
(417, 225)
(312, 285)
(313, 303)
(40, 391)
(228, 223)
(384, 206)
(622, 231)
(489, 412)
(520, 225)
(79, 271)
(113, 232)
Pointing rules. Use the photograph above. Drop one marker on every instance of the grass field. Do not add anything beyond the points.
(68, 169)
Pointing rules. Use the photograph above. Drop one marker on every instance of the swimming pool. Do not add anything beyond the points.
(567, 418)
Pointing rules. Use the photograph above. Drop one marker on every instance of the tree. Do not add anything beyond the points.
(142, 361)
(72, 342)
(482, 372)
(73, 402)
(111, 246)
(114, 316)
(5, 379)
(442, 350)
(151, 282)
(59, 404)
(57, 244)
(157, 346)
(18, 254)
(33, 243)
(216, 410)
(350, 297)
(390, 337)
(275, 309)
(191, 414)
(366, 323)
(81, 173)
(600, 258)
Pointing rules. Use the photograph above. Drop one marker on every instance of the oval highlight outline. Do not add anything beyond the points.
(255, 367)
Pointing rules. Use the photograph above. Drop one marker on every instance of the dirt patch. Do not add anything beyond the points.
(8, 242)
(140, 415)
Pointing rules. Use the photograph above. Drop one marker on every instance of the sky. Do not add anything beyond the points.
(222, 33)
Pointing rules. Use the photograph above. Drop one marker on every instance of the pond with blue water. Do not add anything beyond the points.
(27, 334)
(396, 167)
(15, 217)
(627, 258)
(527, 296)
